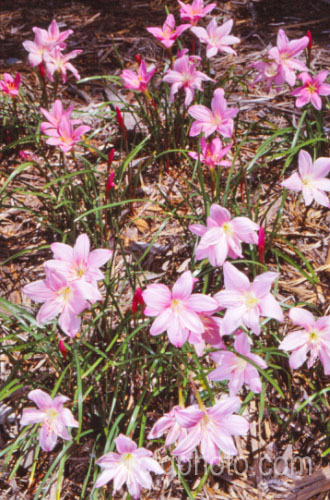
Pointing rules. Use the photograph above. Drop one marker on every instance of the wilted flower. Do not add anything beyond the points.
(311, 179)
(131, 465)
(217, 37)
(313, 339)
(312, 90)
(223, 236)
(168, 33)
(54, 418)
(237, 370)
(218, 118)
(246, 301)
(9, 85)
(178, 310)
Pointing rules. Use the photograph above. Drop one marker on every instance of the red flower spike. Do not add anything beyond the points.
(138, 58)
(62, 349)
(111, 156)
(110, 183)
(261, 245)
(310, 43)
(121, 123)
(137, 300)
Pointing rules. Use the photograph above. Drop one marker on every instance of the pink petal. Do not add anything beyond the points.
(182, 289)
(32, 416)
(234, 279)
(301, 317)
(49, 310)
(161, 322)
(39, 291)
(62, 251)
(271, 308)
(47, 438)
(298, 356)
(294, 340)
(157, 297)
(202, 303)
(124, 444)
(293, 182)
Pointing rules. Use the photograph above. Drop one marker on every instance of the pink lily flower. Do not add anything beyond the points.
(184, 75)
(218, 118)
(270, 71)
(222, 236)
(212, 153)
(174, 422)
(245, 302)
(237, 370)
(54, 418)
(44, 42)
(312, 89)
(68, 299)
(140, 80)
(211, 334)
(177, 310)
(54, 116)
(65, 136)
(9, 85)
(79, 263)
(194, 12)
(131, 465)
(311, 179)
(214, 429)
(285, 54)
(313, 339)
(56, 61)
(168, 33)
(217, 37)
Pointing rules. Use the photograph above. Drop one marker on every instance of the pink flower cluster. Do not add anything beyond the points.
(210, 428)
(47, 47)
(281, 63)
(70, 285)
(59, 127)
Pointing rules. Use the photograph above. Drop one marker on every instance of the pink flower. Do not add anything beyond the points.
(218, 119)
(281, 64)
(194, 12)
(212, 153)
(177, 310)
(216, 37)
(56, 61)
(285, 54)
(237, 370)
(79, 263)
(311, 179)
(65, 136)
(245, 302)
(68, 299)
(168, 34)
(212, 428)
(9, 85)
(211, 334)
(312, 89)
(313, 339)
(44, 42)
(24, 154)
(131, 465)
(184, 75)
(140, 80)
(54, 418)
(55, 115)
(223, 236)
(175, 422)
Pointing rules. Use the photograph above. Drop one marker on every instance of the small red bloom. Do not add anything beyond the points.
(138, 58)
(310, 43)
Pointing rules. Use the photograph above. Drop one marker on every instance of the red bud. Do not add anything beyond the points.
(62, 348)
(310, 43)
(110, 183)
(137, 300)
(261, 244)
(138, 58)
(111, 156)
(121, 122)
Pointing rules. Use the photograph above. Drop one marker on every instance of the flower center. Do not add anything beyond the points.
(65, 293)
(51, 417)
(314, 337)
(250, 300)
(241, 363)
(311, 88)
(227, 227)
(176, 306)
